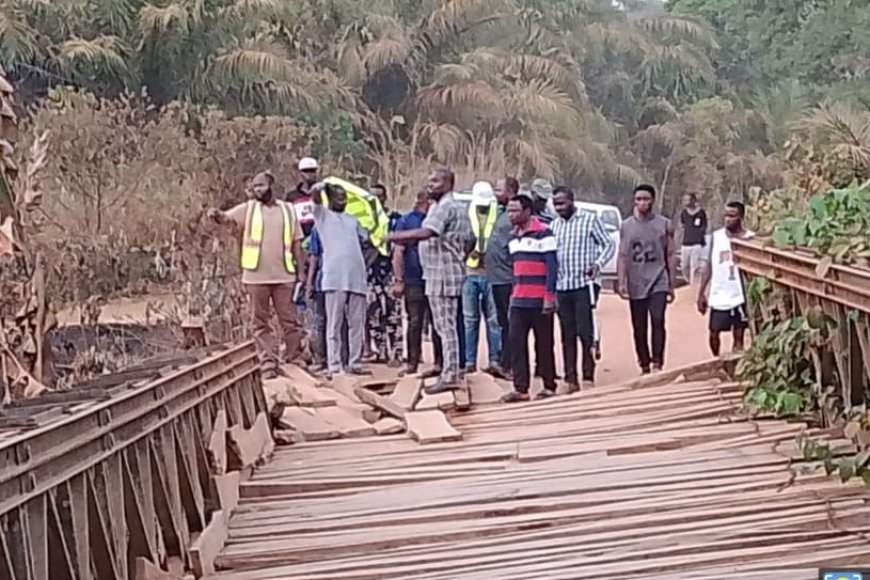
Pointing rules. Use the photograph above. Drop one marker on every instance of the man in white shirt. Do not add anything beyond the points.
(727, 299)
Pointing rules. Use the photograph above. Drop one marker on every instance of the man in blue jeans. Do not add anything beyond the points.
(477, 298)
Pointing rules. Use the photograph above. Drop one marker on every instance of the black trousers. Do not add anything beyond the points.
(502, 295)
(522, 320)
(417, 307)
(576, 322)
(646, 312)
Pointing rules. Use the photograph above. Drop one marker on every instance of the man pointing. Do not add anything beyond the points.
(271, 261)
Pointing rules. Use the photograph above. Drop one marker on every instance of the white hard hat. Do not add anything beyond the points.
(482, 193)
(307, 163)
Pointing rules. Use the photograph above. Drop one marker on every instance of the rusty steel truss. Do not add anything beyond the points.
(842, 292)
(138, 485)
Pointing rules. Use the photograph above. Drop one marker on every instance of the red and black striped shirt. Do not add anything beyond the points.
(533, 252)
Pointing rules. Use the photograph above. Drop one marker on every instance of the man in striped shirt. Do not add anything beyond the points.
(584, 247)
(533, 300)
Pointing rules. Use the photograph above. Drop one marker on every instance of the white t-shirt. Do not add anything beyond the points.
(726, 285)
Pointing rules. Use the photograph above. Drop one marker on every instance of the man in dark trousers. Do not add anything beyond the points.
(384, 313)
(693, 221)
(499, 268)
(408, 282)
(584, 247)
(645, 269)
(533, 300)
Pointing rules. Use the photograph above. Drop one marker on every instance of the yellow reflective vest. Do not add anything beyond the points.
(252, 239)
(367, 209)
(482, 237)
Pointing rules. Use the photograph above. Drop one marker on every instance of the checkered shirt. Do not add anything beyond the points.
(443, 255)
(581, 241)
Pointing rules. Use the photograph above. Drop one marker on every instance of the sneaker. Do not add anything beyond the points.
(470, 369)
(269, 374)
(359, 372)
(545, 394)
(514, 397)
(573, 385)
(644, 370)
(441, 387)
(657, 367)
(589, 382)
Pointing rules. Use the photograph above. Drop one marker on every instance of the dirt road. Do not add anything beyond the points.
(686, 341)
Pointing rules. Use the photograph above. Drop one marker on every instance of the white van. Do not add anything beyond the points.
(612, 218)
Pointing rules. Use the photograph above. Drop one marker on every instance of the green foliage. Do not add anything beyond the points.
(778, 369)
(764, 43)
(836, 224)
(846, 467)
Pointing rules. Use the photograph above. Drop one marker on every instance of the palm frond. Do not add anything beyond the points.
(391, 48)
(104, 53)
(533, 157)
(158, 20)
(257, 9)
(679, 26)
(255, 60)
(450, 98)
(540, 100)
(18, 41)
(445, 140)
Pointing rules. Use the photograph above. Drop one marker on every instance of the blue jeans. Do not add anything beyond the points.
(476, 299)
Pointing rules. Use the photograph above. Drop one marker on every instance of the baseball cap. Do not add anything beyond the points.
(526, 194)
(307, 164)
(542, 188)
(482, 193)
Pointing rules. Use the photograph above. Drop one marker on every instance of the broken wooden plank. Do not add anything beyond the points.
(311, 427)
(389, 426)
(483, 389)
(252, 445)
(299, 391)
(347, 421)
(205, 547)
(380, 402)
(444, 401)
(430, 427)
(217, 443)
(407, 392)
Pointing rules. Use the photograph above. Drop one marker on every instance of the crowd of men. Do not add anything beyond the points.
(514, 259)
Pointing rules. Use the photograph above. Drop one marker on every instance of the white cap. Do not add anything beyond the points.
(482, 193)
(307, 163)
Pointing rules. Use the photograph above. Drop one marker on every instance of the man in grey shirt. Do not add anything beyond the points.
(645, 269)
(343, 277)
(499, 266)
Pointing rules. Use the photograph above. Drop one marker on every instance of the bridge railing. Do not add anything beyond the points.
(842, 292)
(136, 482)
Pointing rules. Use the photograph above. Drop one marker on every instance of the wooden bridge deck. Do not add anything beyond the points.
(617, 482)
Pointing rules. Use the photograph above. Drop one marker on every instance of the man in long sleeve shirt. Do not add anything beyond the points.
(584, 247)
(499, 268)
(533, 300)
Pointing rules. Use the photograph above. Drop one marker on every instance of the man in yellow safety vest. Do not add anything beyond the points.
(271, 261)
(477, 297)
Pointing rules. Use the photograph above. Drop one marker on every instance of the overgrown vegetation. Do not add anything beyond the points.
(591, 92)
(835, 224)
(778, 368)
